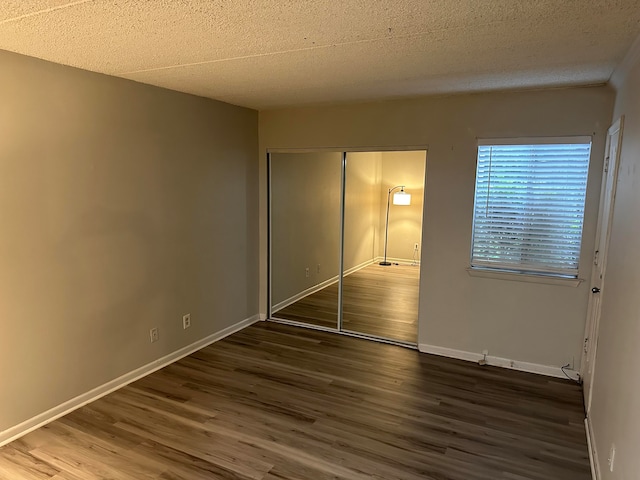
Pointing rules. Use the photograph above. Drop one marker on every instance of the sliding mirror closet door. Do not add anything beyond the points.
(305, 224)
(382, 238)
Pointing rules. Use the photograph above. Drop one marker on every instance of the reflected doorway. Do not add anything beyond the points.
(332, 222)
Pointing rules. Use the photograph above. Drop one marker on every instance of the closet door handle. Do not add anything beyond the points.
(595, 290)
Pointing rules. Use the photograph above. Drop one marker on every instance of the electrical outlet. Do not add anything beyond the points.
(186, 321)
(485, 352)
(306, 272)
(153, 334)
(612, 457)
(415, 246)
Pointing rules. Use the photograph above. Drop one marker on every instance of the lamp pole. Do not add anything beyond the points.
(384, 263)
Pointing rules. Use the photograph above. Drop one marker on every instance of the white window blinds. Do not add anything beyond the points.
(529, 206)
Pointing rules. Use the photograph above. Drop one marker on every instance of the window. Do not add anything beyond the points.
(529, 205)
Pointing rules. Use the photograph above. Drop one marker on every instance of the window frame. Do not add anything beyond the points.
(522, 274)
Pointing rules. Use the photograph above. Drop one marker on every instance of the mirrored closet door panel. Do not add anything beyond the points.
(382, 236)
(305, 216)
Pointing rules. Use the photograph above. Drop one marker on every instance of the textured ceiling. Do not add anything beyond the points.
(272, 53)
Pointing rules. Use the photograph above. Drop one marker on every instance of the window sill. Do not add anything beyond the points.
(524, 277)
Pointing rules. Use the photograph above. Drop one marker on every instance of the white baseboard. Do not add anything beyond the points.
(351, 270)
(54, 413)
(593, 452)
(547, 370)
(318, 287)
(401, 261)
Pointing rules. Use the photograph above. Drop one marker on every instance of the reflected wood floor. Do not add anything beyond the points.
(276, 402)
(377, 300)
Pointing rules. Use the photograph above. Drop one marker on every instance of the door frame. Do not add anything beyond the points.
(610, 172)
(344, 151)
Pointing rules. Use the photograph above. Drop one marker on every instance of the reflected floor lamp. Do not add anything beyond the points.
(399, 198)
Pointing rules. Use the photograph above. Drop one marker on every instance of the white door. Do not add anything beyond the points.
(607, 199)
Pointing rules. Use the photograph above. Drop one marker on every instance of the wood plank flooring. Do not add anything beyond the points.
(275, 402)
(381, 301)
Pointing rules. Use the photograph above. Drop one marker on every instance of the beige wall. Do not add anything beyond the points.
(615, 411)
(122, 207)
(405, 222)
(362, 204)
(537, 323)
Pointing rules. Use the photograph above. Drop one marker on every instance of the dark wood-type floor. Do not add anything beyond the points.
(279, 402)
(377, 300)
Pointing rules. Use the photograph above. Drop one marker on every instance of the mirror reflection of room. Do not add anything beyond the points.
(382, 300)
(305, 236)
(377, 300)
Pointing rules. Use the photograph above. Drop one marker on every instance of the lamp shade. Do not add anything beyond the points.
(402, 198)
